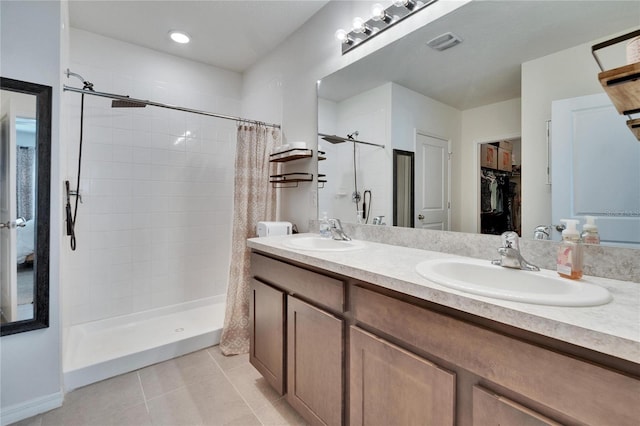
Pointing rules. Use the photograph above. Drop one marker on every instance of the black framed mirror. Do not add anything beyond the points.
(25, 177)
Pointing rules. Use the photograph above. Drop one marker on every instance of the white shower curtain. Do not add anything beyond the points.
(254, 200)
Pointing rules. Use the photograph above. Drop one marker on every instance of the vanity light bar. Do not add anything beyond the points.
(380, 20)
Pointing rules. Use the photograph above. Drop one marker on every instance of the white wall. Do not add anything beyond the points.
(565, 74)
(488, 123)
(154, 228)
(282, 86)
(413, 112)
(30, 362)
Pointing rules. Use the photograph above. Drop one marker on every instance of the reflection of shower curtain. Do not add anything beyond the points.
(25, 181)
(254, 200)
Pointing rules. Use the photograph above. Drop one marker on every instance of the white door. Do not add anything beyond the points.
(595, 168)
(8, 259)
(432, 183)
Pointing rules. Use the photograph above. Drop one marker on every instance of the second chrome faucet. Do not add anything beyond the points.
(335, 226)
(510, 256)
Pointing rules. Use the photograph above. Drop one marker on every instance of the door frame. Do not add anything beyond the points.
(477, 168)
(417, 132)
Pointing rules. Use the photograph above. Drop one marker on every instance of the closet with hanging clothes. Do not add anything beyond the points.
(499, 189)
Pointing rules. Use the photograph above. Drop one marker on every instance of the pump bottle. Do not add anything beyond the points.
(569, 262)
(325, 227)
(590, 233)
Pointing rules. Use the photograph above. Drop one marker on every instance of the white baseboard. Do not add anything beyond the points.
(24, 410)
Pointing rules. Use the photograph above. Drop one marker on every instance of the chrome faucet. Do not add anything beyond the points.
(542, 232)
(510, 256)
(335, 226)
(378, 220)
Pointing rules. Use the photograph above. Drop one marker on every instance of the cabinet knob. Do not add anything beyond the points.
(420, 217)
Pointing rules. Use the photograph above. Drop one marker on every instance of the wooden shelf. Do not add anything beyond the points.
(290, 155)
(623, 87)
(288, 180)
(634, 126)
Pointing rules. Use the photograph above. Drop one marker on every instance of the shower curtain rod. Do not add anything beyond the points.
(161, 105)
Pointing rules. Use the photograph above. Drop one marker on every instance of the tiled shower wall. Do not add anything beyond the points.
(154, 228)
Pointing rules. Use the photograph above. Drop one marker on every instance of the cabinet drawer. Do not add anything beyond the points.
(490, 409)
(321, 289)
(391, 386)
(585, 392)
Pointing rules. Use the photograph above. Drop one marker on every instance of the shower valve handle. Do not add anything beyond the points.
(19, 222)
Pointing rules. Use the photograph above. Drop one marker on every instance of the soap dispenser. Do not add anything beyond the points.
(569, 262)
(325, 227)
(590, 233)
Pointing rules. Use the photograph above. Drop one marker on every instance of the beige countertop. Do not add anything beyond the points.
(613, 329)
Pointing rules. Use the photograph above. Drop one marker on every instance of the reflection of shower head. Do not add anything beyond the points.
(333, 138)
(339, 139)
(350, 138)
(121, 103)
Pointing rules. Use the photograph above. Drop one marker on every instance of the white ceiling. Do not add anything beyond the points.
(498, 36)
(228, 34)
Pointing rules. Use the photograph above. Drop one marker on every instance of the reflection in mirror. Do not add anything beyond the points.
(25, 132)
(499, 84)
(403, 191)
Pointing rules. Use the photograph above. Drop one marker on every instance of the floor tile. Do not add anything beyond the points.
(201, 403)
(178, 372)
(31, 421)
(227, 363)
(279, 413)
(84, 406)
(136, 415)
(253, 388)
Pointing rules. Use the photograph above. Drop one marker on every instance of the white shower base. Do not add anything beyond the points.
(101, 349)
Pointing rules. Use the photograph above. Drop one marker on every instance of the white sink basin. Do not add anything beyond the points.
(482, 278)
(322, 244)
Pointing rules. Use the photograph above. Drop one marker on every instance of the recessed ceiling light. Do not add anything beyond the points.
(179, 37)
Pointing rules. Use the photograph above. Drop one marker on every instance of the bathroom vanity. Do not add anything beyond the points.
(359, 337)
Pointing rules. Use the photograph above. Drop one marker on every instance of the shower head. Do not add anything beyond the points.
(123, 103)
(350, 138)
(333, 138)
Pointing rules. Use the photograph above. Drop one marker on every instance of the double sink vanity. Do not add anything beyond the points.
(359, 332)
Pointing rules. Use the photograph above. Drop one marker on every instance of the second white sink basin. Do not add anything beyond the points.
(482, 278)
(323, 244)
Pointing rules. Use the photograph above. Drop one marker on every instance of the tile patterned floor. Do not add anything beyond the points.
(202, 388)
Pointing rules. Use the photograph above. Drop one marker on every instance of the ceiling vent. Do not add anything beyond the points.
(444, 41)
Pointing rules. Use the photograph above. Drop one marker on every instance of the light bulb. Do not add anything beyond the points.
(378, 13)
(358, 25)
(179, 37)
(342, 35)
(409, 4)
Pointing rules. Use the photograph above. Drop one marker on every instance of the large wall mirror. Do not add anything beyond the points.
(25, 169)
(517, 64)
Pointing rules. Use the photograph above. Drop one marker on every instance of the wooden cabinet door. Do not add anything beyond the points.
(490, 409)
(314, 363)
(390, 386)
(267, 328)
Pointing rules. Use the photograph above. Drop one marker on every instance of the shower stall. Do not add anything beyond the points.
(362, 199)
(147, 280)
